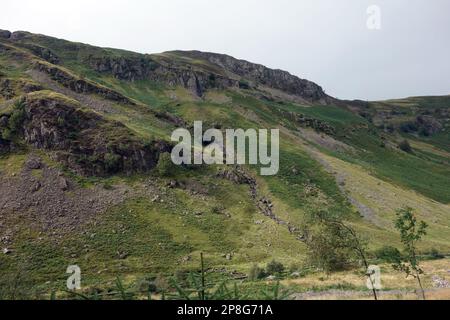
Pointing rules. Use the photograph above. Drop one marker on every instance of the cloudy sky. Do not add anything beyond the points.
(326, 41)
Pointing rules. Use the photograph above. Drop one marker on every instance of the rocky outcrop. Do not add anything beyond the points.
(171, 118)
(424, 124)
(134, 68)
(6, 89)
(307, 122)
(239, 176)
(10, 51)
(428, 125)
(41, 52)
(5, 146)
(277, 79)
(199, 79)
(79, 85)
(10, 88)
(83, 140)
(316, 124)
(19, 35)
(5, 34)
(196, 71)
(130, 68)
(28, 86)
(4, 119)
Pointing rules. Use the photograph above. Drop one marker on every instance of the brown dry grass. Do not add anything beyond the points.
(395, 285)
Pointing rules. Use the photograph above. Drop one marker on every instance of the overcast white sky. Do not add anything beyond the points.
(326, 41)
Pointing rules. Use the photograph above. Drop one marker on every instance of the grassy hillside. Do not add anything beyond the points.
(335, 158)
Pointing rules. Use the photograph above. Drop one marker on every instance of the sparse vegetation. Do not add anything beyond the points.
(330, 246)
(274, 268)
(112, 162)
(15, 121)
(342, 244)
(388, 254)
(152, 238)
(411, 232)
(256, 273)
(165, 167)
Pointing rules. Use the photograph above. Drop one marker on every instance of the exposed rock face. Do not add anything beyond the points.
(12, 52)
(129, 69)
(5, 146)
(216, 71)
(316, 124)
(237, 176)
(83, 140)
(198, 80)
(172, 74)
(265, 206)
(173, 119)
(10, 88)
(5, 34)
(79, 85)
(6, 89)
(3, 121)
(276, 79)
(428, 125)
(29, 87)
(19, 35)
(424, 124)
(42, 52)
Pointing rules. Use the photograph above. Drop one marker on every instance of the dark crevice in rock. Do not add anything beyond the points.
(5, 146)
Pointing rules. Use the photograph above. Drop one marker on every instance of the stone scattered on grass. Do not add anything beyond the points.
(438, 282)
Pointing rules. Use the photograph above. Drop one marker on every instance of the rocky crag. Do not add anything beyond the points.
(81, 139)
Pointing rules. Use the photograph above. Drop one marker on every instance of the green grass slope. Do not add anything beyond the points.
(158, 229)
